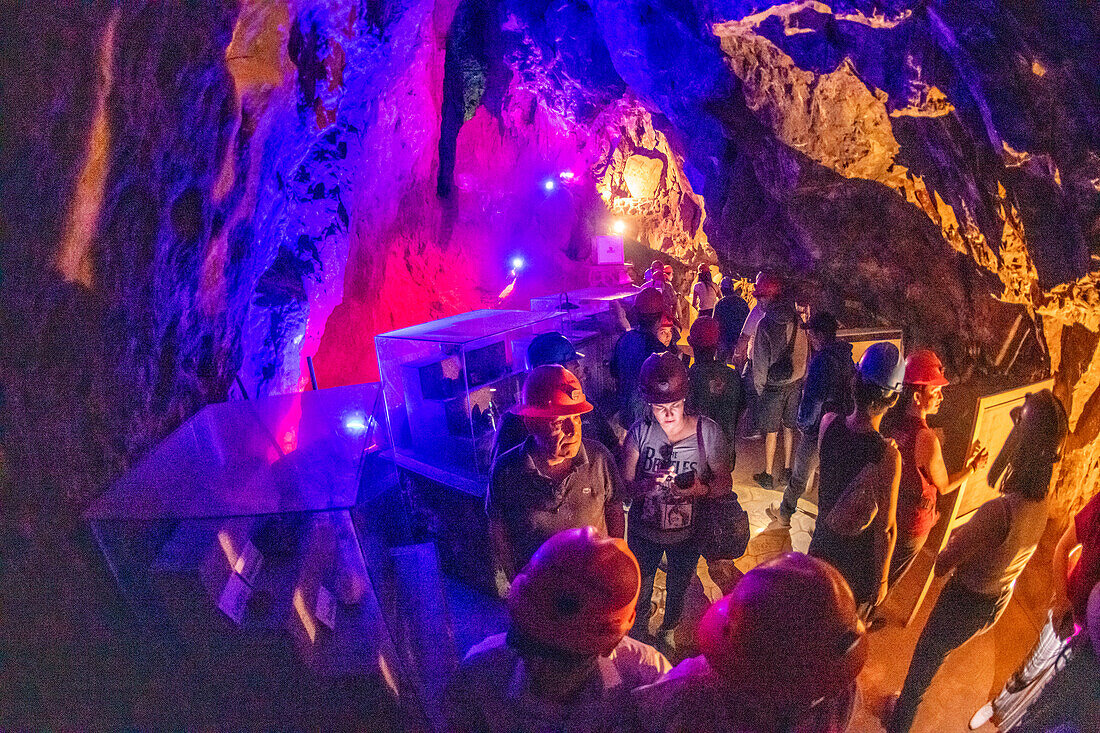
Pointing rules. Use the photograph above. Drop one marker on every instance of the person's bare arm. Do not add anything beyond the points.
(826, 421)
(1062, 552)
(886, 533)
(929, 457)
(628, 463)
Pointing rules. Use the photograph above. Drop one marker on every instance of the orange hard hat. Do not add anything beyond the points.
(705, 333)
(668, 270)
(578, 593)
(924, 367)
(788, 633)
(552, 390)
(663, 379)
(767, 285)
(649, 300)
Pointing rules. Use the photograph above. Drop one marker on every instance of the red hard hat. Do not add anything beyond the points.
(649, 300)
(552, 391)
(578, 593)
(657, 266)
(767, 285)
(705, 333)
(924, 367)
(787, 634)
(668, 270)
(663, 379)
(704, 267)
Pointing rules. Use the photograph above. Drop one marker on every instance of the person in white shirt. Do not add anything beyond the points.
(565, 663)
(705, 294)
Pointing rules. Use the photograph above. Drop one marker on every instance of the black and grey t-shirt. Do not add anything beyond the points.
(534, 507)
(659, 516)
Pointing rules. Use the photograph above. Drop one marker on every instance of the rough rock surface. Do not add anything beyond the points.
(195, 192)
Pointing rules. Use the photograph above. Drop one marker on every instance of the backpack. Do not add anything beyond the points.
(782, 369)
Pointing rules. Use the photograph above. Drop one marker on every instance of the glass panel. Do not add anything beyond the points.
(294, 452)
(444, 398)
(470, 326)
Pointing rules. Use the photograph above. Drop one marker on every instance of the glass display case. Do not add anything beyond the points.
(593, 319)
(447, 382)
(242, 537)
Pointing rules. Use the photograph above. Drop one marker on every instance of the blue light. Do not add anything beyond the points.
(549, 184)
(517, 263)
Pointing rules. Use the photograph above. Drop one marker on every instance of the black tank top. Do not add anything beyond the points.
(844, 453)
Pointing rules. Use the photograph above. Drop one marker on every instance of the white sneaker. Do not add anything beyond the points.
(983, 716)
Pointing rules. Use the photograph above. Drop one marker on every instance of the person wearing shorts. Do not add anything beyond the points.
(778, 360)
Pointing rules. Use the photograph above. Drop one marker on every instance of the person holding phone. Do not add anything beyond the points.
(670, 458)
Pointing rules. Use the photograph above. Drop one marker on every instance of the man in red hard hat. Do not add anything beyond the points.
(553, 348)
(781, 652)
(566, 663)
(554, 480)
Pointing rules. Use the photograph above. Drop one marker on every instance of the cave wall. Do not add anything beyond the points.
(928, 165)
(195, 197)
(200, 192)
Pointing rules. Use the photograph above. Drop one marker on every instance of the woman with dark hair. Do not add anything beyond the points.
(989, 552)
(854, 453)
(705, 294)
(923, 473)
(669, 459)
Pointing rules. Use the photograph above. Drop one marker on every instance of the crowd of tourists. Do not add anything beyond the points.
(586, 505)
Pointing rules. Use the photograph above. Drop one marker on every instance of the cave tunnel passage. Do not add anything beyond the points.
(202, 206)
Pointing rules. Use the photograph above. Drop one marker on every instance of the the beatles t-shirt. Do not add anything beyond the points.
(659, 516)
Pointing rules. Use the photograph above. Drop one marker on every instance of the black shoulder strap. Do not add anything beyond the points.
(702, 445)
